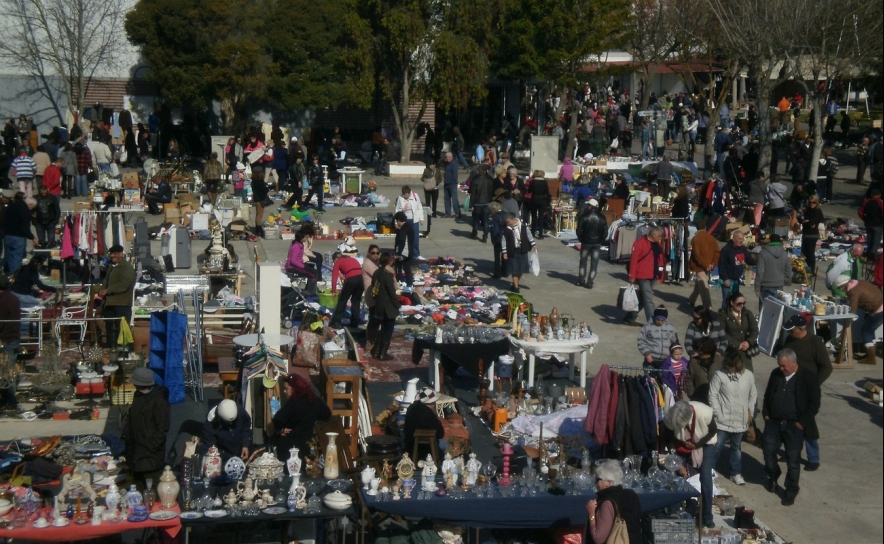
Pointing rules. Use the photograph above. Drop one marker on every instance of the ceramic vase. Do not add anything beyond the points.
(168, 489)
(294, 462)
(411, 390)
(331, 470)
(212, 463)
(112, 499)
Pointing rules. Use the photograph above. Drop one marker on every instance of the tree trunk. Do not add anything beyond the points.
(817, 101)
(234, 114)
(763, 90)
(572, 133)
(646, 91)
(561, 107)
(406, 127)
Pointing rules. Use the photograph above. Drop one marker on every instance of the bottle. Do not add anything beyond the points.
(274, 406)
(150, 495)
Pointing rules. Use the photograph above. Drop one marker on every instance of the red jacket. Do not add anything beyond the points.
(646, 262)
(52, 179)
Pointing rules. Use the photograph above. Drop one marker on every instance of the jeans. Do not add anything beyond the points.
(416, 227)
(736, 456)
(706, 467)
(104, 167)
(15, 252)
(874, 236)
(785, 433)
(81, 185)
(27, 301)
(45, 234)
(646, 150)
(813, 450)
(870, 325)
(352, 293)
(480, 216)
(767, 292)
(431, 199)
(592, 252)
(24, 185)
(645, 298)
(701, 291)
(450, 200)
(403, 268)
(458, 156)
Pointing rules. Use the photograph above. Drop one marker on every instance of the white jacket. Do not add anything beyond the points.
(732, 397)
(412, 207)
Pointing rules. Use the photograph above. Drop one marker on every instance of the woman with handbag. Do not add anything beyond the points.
(693, 427)
(740, 327)
(615, 516)
(383, 291)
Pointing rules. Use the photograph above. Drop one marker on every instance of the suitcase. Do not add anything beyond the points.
(176, 244)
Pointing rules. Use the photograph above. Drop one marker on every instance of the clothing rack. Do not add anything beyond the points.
(638, 369)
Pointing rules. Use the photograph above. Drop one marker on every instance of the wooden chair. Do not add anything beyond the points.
(426, 437)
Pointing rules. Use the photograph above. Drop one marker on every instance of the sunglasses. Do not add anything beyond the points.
(739, 304)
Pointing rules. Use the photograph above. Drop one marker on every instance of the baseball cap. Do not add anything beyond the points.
(794, 321)
(593, 202)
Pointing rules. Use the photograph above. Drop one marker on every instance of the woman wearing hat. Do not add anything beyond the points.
(145, 426)
(347, 268)
(229, 429)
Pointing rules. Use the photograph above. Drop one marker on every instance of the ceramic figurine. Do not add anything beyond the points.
(448, 465)
(405, 468)
(212, 463)
(428, 474)
(386, 474)
(472, 470)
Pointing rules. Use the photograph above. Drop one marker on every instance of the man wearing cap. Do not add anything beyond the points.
(592, 231)
(145, 426)
(10, 335)
(849, 263)
(621, 189)
(229, 429)
(868, 297)
(774, 270)
(348, 269)
(116, 293)
(705, 253)
(421, 415)
(812, 356)
(655, 338)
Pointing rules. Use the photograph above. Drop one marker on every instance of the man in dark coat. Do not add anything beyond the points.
(145, 426)
(791, 403)
(229, 429)
(592, 231)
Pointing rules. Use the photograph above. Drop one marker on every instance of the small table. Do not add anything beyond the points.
(466, 355)
(844, 359)
(571, 347)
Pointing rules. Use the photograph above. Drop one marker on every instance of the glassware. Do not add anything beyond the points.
(150, 496)
(489, 470)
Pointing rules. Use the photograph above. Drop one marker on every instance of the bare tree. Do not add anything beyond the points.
(68, 40)
(701, 41)
(651, 39)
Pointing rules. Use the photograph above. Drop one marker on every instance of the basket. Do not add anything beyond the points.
(327, 299)
(122, 394)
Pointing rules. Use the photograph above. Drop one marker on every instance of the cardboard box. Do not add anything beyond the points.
(130, 234)
(200, 221)
(130, 180)
(173, 215)
(83, 206)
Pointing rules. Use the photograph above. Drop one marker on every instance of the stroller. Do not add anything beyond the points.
(294, 304)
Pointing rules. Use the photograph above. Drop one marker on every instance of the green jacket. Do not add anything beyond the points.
(119, 282)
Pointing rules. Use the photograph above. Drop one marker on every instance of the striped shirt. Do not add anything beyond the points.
(25, 167)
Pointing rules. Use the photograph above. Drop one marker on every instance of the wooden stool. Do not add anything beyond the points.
(229, 375)
(427, 437)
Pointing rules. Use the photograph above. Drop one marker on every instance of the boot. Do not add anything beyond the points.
(382, 352)
(869, 357)
(371, 335)
(376, 348)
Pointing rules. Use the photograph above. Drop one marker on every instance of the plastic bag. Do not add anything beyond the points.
(535, 263)
(630, 299)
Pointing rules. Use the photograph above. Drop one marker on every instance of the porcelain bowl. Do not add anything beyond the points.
(337, 501)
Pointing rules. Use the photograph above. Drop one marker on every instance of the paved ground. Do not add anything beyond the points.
(841, 502)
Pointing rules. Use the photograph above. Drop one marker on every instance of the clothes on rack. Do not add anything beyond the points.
(91, 233)
(625, 410)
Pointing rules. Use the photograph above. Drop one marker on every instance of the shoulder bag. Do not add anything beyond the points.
(619, 534)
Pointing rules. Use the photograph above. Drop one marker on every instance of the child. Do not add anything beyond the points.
(679, 369)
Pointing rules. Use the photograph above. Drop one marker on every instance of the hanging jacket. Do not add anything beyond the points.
(619, 437)
(648, 415)
(596, 422)
(612, 405)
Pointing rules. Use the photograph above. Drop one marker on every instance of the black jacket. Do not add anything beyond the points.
(386, 302)
(17, 220)
(592, 227)
(621, 190)
(540, 197)
(229, 438)
(164, 192)
(299, 415)
(144, 430)
(807, 398)
(314, 175)
(47, 210)
(480, 190)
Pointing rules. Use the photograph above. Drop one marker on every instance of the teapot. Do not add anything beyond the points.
(230, 499)
(247, 490)
(366, 475)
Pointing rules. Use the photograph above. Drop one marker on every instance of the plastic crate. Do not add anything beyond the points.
(673, 525)
(122, 394)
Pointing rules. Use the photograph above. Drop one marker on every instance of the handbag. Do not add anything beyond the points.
(753, 351)
(619, 533)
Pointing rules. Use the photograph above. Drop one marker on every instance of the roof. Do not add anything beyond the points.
(671, 67)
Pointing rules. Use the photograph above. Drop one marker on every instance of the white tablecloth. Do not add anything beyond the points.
(571, 347)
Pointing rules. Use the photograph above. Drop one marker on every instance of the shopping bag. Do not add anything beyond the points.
(535, 263)
(628, 299)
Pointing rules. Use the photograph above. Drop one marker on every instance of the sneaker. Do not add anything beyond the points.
(810, 467)
(420, 258)
(738, 479)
